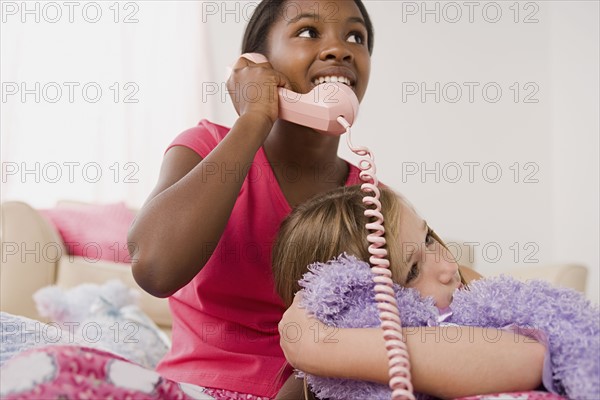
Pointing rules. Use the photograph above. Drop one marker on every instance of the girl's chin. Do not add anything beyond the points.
(443, 304)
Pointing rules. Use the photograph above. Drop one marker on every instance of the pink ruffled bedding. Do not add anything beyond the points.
(75, 372)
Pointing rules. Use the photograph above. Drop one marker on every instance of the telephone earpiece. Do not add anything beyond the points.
(256, 58)
(319, 108)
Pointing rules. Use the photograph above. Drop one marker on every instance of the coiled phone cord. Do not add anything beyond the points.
(397, 352)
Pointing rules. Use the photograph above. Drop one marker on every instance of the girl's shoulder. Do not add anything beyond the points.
(202, 138)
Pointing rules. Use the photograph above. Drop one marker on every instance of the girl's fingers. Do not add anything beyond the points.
(253, 87)
(283, 81)
(258, 60)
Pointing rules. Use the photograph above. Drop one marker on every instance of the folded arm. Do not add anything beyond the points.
(445, 362)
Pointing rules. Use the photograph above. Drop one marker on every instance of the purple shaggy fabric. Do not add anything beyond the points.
(340, 293)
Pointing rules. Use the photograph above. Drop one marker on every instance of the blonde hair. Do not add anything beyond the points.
(330, 224)
(326, 226)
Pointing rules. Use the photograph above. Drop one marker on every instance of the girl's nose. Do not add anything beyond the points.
(335, 49)
(447, 267)
(448, 272)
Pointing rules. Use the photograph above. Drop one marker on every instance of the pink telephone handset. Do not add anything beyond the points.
(319, 108)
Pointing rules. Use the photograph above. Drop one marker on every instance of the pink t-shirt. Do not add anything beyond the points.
(225, 320)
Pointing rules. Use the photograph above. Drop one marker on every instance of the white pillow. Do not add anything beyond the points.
(104, 317)
(19, 334)
(126, 331)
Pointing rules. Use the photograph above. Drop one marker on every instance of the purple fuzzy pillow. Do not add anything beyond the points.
(340, 293)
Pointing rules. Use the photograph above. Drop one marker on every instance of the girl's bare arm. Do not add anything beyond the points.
(181, 223)
(446, 362)
(183, 219)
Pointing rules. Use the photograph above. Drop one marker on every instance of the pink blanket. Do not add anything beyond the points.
(74, 372)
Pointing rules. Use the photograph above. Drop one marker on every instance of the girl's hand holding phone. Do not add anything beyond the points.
(253, 88)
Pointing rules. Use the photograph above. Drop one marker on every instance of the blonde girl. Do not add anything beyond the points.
(328, 225)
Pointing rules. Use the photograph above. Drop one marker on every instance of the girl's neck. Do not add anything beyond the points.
(302, 147)
(305, 162)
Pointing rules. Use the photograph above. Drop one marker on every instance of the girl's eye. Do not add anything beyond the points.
(358, 37)
(308, 32)
(429, 239)
(413, 273)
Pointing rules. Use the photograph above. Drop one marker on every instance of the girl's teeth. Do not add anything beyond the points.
(324, 79)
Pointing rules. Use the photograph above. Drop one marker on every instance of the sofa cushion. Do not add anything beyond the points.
(94, 232)
(31, 249)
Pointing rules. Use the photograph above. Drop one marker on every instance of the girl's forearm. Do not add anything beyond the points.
(458, 361)
(180, 225)
(445, 361)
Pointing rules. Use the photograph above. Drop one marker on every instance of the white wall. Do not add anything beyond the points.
(546, 213)
(575, 127)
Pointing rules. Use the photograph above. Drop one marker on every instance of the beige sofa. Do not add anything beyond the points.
(24, 271)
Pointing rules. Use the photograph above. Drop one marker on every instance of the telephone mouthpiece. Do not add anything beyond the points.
(320, 108)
